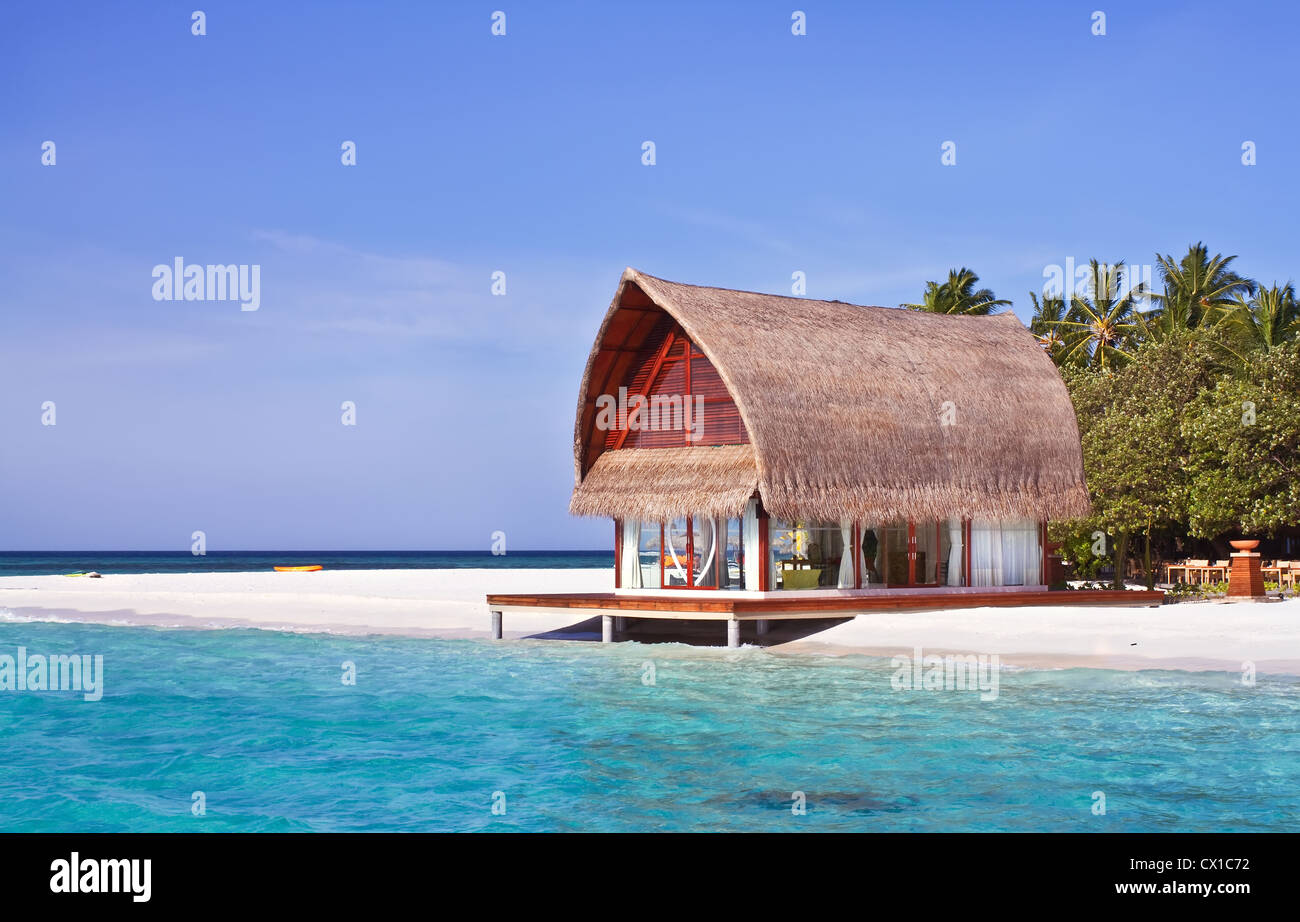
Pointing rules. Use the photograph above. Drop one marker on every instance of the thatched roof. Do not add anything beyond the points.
(654, 484)
(847, 409)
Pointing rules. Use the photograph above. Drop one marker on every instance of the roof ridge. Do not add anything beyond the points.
(637, 273)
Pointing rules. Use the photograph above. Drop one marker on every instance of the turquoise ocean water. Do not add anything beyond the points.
(262, 724)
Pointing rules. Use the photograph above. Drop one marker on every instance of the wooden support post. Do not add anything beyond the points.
(606, 628)
(733, 633)
(496, 625)
(761, 626)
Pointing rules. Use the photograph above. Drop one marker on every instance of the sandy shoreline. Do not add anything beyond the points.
(450, 604)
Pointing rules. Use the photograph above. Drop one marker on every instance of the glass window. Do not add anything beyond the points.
(1005, 553)
(926, 548)
(898, 553)
(677, 558)
(810, 555)
(649, 554)
(706, 552)
(732, 575)
(1020, 553)
(926, 553)
(687, 552)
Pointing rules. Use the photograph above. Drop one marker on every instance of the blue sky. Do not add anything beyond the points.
(522, 153)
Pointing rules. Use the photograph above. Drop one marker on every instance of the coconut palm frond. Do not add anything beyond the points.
(1198, 288)
(958, 295)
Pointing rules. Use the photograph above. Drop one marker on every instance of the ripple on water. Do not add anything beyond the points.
(574, 738)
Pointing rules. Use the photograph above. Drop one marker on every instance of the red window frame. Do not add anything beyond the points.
(965, 540)
(764, 544)
(690, 556)
(911, 557)
(618, 554)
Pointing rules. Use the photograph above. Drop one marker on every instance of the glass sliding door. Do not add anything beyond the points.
(811, 555)
(925, 553)
(1021, 553)
(688, 552)
(649, 553)
(916, 553)
(677, 555)
(705, 552)
(1005, 552)
(898, 554)
(732, 573)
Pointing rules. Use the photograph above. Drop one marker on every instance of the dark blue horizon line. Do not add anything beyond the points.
(317, 551)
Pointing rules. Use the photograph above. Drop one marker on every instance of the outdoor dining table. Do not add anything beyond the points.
(1204, 572)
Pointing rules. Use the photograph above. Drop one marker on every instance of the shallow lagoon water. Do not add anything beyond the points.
(569, 732)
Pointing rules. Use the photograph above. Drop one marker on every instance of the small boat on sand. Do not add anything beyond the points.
(314, 566)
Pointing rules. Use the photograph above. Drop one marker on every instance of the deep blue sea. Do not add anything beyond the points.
(39, 563)
(568, 736)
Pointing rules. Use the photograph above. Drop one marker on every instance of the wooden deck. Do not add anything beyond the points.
(777, 607)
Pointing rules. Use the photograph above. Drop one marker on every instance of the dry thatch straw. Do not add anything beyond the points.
(869, 413)
(655, 484)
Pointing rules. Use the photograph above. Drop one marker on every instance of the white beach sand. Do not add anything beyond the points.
(415, 603)
(450, 603)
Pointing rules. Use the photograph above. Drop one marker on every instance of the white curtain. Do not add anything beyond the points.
(750, 545)
(1004, 553)
(985, 553)
(954, 552)
(1020, 561)
(846, 558)
(650, 555)
(630, 577)
(706, 549)
(724, 553)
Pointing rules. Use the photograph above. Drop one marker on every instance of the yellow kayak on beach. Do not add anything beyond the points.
(314, 566)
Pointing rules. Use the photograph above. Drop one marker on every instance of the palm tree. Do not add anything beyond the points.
(1046, 325)
(1199, 289)
(958, 295)
(1267, 320)
(1101, 330)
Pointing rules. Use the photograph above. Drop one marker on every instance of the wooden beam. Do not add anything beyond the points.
(830, 605)
(660, 356)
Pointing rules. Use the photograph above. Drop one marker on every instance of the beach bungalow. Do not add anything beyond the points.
(766, 457)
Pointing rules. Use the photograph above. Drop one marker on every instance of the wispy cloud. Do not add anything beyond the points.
(326, 286)
(742, 229)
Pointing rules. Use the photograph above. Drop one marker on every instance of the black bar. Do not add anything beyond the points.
(327, 871)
